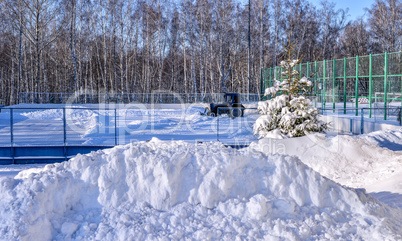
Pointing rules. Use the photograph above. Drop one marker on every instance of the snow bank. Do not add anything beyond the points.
(354, 161)
(173, 190)
(50, 114)
(391, 139)
(79, 119)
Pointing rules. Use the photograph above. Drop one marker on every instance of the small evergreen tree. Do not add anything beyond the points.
(288, 110)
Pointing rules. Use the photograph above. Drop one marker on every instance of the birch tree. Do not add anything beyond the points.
(385, 21)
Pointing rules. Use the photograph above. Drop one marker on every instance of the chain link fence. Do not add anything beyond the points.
(124, 98)
(371, 81)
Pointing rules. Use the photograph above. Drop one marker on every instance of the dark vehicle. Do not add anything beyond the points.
(231, 106)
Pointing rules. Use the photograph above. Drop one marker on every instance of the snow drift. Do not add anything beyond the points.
(172, 190)
(354, 161)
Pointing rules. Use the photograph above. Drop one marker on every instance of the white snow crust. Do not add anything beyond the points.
(164, 190)
(354, 161)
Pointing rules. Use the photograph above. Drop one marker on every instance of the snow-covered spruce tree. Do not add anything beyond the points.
(288, 112)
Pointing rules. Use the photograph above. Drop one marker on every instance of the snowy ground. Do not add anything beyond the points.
(277, 189)
(96, 125)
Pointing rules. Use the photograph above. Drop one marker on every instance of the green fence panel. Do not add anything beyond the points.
(344, 86)
(373, 80)
(385, 85)
(357, 86)
(370, 83)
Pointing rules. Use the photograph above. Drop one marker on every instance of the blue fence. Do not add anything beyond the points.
(110, 117)
(37, 147)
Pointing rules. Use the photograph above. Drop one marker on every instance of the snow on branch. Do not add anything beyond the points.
(290, 113)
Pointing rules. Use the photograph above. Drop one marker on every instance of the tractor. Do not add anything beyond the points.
(231, 106)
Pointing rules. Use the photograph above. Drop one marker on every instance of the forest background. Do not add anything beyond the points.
(180, 46)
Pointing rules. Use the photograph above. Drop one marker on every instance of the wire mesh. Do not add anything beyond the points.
(357, 81)
(395, 63)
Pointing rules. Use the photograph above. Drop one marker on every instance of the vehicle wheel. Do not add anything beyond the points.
(236, 112)
(212, 114)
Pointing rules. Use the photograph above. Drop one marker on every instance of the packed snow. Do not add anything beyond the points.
(354, 161)
(316, 187)
(161, 190)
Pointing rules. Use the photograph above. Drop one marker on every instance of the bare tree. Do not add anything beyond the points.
(40, 14)
(355, 40)
(332, 23)
(15, 14)
(385, 21)
(201, 46)
(278, 19)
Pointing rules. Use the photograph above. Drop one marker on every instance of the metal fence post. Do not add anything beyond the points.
(362, 122)
(351, 125)
(11, 126)
(300, 70)
(217, 124)
(262, 82)
(115, 126)
(315, 82)
(12, 135)
(357, 86)
(344, 85)
(270, 77)
(64, 127)
(323, 83)
(266, 80)
(308, 70)
(370, 82)
(385, 85)
(308, 76)
(399, 116)
(333, 84)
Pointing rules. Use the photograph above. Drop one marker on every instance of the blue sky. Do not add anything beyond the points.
(356, 7)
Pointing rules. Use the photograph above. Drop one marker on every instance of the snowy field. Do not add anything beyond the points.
(97, 125)
(93, 124)
(317, 187)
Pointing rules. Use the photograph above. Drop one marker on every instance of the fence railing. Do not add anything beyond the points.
(72, 126)
(68, 126)
(60, 127)
(375, 79)
(239, 131)
(124, 98)
(369, 119)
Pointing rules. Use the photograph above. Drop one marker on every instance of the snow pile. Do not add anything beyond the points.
(88, 121)
(50, 114)
(391, 139)
(356, 162)
(81, 120)
(173, 190)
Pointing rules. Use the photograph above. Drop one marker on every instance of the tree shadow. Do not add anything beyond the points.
(389, 198)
